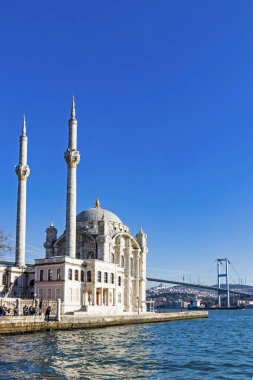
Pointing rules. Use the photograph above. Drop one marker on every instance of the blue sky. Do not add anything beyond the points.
(165, 110)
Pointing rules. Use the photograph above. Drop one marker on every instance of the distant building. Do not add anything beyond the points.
(95, 266)
(195, 303)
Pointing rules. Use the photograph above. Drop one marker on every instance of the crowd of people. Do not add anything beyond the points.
(30, 310)
(27, 311)
(4, 311)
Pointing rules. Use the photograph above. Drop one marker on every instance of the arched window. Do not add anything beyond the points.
(32, 282)
(49, 294)
(58, 274)
(99, 276)
(112, 278)
(82, 276)
(70, 274)
(122, 261)
(106, 277)
(49, 274)
(89, 276)
(119, 281)
(76, 275)
(58, 293)
(91, 255)
(41, 274)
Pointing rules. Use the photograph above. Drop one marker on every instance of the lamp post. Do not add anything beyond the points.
(138, 304)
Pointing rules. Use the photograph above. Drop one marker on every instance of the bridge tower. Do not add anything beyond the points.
(220, 274)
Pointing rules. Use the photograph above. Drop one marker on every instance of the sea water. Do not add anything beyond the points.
(220, 347)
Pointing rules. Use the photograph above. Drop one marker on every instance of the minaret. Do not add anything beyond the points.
(22, 171)
(72, 158)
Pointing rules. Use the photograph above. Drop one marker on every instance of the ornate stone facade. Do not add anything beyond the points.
(108, 273)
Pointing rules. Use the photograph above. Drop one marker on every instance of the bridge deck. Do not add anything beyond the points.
(197, 286)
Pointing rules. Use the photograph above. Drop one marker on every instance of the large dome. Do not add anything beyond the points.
(96, 214)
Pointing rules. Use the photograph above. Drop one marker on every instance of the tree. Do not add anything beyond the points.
(5, 245)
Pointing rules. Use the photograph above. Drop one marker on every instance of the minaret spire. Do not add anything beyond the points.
(73, 108)
(72, 158)
(24, 126)
(22, 171)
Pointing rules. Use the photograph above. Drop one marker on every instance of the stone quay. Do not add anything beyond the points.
(30, 324)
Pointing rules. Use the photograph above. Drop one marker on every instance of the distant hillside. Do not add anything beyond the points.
(165, 295)
(239, 287)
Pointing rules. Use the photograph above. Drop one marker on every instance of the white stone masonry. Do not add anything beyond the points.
(72, 158)
(22, 171)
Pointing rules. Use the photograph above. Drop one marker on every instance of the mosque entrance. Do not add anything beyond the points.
(98, 298)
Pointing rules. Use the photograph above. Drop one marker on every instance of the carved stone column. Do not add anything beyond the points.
(143, 281)
(142, 241)
(118, 250)
(127, 279)
(137, 278)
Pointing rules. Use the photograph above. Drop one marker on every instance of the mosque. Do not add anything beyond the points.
(95, 266)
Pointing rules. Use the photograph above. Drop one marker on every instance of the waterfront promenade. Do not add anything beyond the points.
(29, 324)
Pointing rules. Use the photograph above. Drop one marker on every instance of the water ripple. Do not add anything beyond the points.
(216, 348)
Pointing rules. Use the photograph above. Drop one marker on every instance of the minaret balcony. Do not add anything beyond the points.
(72, 158)
(22, 171)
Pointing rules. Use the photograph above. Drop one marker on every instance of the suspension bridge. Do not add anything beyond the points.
(222, 271)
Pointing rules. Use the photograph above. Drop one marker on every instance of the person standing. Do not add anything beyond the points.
(47, 313)
(36, 306)
(40, 306)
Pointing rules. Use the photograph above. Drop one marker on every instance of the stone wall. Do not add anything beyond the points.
(16, 325)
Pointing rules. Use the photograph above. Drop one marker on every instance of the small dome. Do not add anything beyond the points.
(96, 214)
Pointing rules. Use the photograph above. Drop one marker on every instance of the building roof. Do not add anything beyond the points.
(97, 214)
